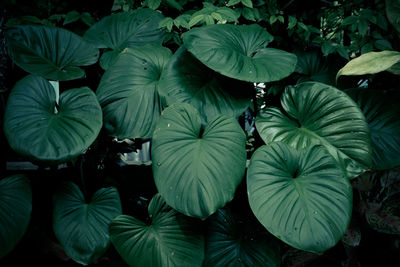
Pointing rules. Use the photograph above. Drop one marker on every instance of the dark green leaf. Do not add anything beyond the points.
(395, 69)
(128, 92)
(34, 129)
(239, 52)
(248, 14)
(368, 47)
(233, 2)
(382, 115)
(393, 13)
(301, 197)
(50, 52)
(247, 3)
(153, 4)
(127, 29)
(170, 239)
(343, 52)
(362, 26)
(187, 80)
(320, 114)
(108, 58)
(15, 211)
(383, 45)
(197, 169)
(82, 227)
(71, 16)
(314, 68)
(230, 242)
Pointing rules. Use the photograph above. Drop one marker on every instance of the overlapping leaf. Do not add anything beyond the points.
(300, 197)
(34, 129)
(53, 53)
(15, 211)
(230, 243)
(187, 80)
(239, 52)
(170, 239)
(128, 92)
(315, 113)
(197, 169)
(126, 29)
(82, 227)
(382, 115)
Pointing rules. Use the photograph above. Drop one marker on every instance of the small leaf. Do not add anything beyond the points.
(87, 19)
(233, 2)
(292, 22)
(71, 16)
(170, 239)
(247, 3)
(174, 4)
(327, 48)
(196, 19)
(153, 4)
(362, 27)
(168, 23)
(368, 47)
(182, 21)
(383, 45)
(82, 227)
(343, 52)
(15, 211)
(385, 217)
(248, 14)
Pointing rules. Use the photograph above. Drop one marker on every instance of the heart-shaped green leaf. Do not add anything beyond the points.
(370, 63)
(170, 239)
(300, 197)
(187, 80)
(126, 29)
(15, 211)
(197, 169)
(53, 53)
(82, 227)
(34, 129)
(320, 114)
(382, 115)
(239, 52)
(232, 242)
(128, 92)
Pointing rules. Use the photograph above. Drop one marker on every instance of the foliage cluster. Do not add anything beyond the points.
(273, 127)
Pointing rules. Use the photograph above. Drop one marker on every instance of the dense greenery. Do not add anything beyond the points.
(274, 132)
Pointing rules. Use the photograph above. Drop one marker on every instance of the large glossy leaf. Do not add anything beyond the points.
(15, 211)
(81, 226)
(301, 197)
(239, 52)
(370, 63)
(34, 129)
(232, 242)
(187, 80)
(382, 115)
(170, 239)
(126, 29)
(197, 169)
(393, 13)
(128, 92)
(316, 113)
(53, 53)
(314, 67)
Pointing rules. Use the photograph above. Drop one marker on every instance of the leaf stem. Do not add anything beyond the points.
(56, 86)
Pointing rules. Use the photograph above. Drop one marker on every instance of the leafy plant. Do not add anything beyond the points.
(201, 81)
